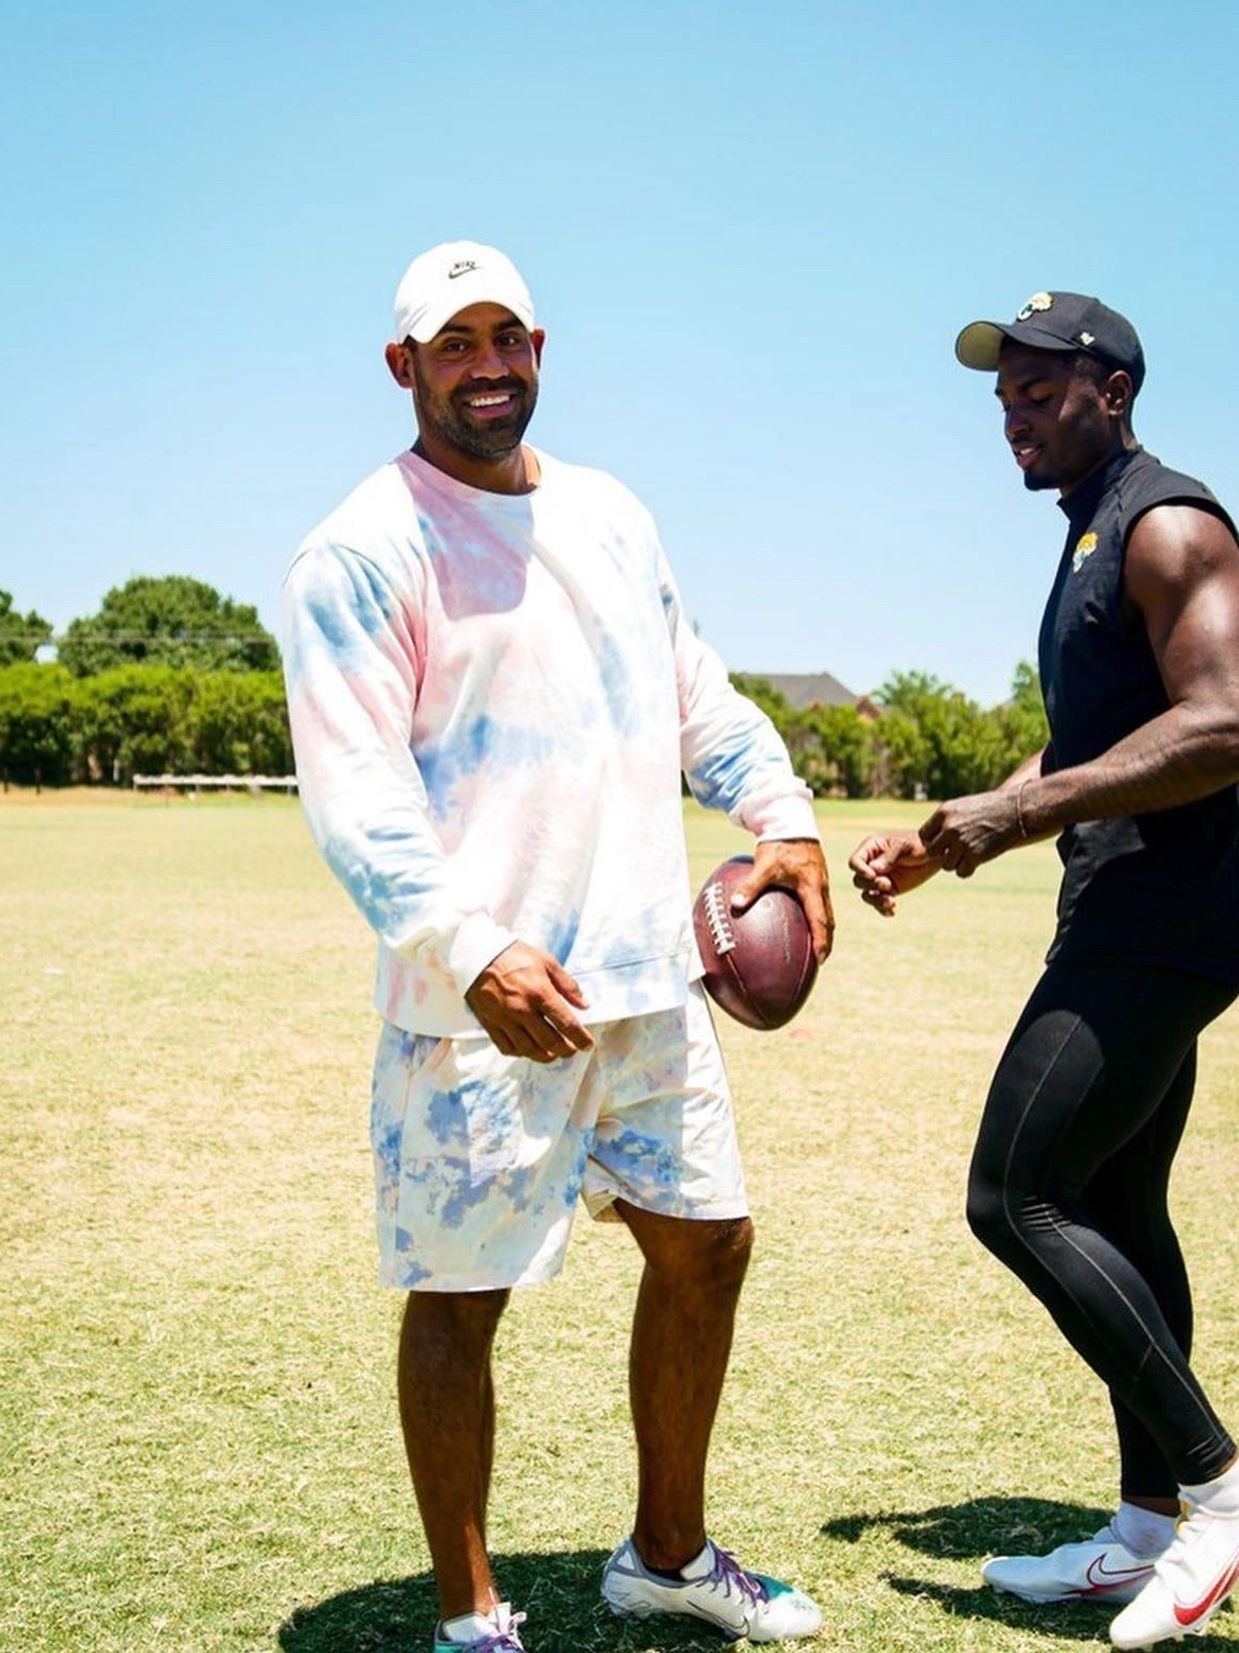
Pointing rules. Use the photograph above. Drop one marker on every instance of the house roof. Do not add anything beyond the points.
(804, 689)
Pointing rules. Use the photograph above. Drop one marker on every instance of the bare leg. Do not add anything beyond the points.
(447, 1412)
(681, 1339)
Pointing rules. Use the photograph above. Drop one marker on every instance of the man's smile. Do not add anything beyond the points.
(491, 404)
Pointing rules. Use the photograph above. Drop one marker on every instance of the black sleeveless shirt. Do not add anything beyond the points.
(1161, 888)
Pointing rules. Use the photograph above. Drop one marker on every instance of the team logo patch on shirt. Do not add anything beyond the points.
(1085, 546)
(1039, 301)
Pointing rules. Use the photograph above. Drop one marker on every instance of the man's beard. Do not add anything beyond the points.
(449, 418)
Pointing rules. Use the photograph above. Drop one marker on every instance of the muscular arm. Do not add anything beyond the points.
(1182, 580)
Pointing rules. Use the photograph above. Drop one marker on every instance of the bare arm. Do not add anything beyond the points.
(890, 864)
(1182, 579)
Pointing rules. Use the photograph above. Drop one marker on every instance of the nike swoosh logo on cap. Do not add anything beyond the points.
(1196, 1610)
(463, 268)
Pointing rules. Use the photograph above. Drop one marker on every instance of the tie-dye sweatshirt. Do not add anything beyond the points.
(492, 698)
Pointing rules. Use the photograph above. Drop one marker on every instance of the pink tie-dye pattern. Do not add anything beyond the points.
(491, 699)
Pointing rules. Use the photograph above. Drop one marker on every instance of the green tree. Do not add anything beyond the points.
(772, 701)
(170, 620)
(240, 724)
(137, 720)
(962, 747)
(1021, 720)
(21, 635)
(848, 743)
(901, 756)
(803, 740)
(38, 707)
(831, 749)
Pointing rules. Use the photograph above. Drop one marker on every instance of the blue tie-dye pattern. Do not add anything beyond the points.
(441, 767)
(723, 779)
(495, 1122)
(539, 648)
(652, 1154)
(520, 1185)
(483, 741)
(387, 1140)
(383, 894)
(641, 1118)
(446, 1117)
(465, 1195)
(562, 933)
(640, 936)
(572, 1186)
(376, 617)
(414, 1273)
(334, 626)
(617, 685)
(346, 624)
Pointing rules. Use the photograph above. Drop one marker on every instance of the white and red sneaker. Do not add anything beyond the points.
(1100, 1568)
(1190, 1582)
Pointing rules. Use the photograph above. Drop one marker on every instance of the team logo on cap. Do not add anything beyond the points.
(1039, 301)
(461, 267)
(1085, 546)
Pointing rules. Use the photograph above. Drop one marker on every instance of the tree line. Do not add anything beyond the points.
(169, 677)
(927, 739)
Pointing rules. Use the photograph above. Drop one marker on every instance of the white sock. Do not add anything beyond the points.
(1221, 1495)
(469, 1627)
(699, 1566)
(1143, 1532)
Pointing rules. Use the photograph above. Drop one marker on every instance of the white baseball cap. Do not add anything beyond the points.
(447, 279)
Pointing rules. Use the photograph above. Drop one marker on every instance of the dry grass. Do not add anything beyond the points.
(198, 1422)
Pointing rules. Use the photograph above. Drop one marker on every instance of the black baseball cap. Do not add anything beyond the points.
(1057, 321)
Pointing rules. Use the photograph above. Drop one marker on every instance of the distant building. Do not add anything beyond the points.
(802, 690)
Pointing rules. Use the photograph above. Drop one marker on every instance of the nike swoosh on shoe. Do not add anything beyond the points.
(1191, 1613)
(1101, 1578)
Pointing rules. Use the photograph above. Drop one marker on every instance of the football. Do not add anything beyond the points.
(759, 964)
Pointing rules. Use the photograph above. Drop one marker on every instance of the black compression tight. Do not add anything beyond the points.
(1068, 1187)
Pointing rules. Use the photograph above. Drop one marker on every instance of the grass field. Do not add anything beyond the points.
(199, 1435)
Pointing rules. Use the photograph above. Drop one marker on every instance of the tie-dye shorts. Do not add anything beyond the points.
(479, 1158)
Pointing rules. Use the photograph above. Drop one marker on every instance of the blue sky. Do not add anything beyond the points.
(752, 234)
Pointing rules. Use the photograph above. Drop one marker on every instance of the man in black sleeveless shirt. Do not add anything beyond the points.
(1139, 658)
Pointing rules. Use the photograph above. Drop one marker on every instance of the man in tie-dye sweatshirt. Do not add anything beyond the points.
(493, 693)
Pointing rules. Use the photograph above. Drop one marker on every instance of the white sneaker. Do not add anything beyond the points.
(1190, 1582)
(1098, 1569)
(721, 1592)
(499, 1636)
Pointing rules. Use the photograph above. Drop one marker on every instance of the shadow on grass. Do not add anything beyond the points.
(558, 1591)
(1065, 1620)
(978, 1527)
(990, 1526)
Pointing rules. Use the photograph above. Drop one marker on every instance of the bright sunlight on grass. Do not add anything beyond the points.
(199, 1431)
